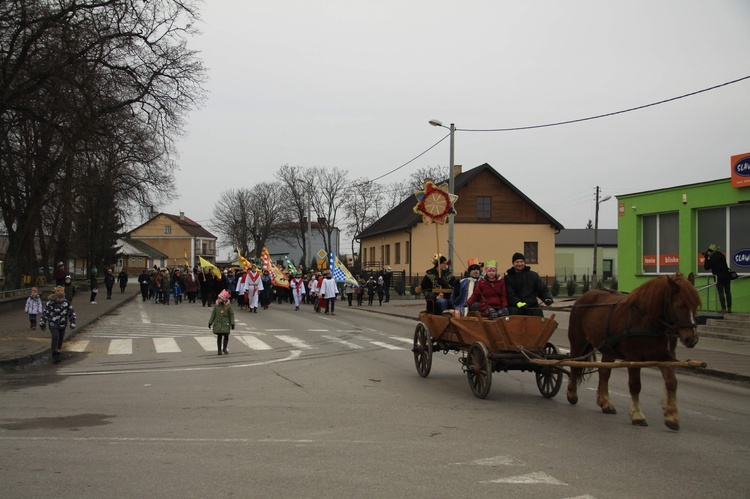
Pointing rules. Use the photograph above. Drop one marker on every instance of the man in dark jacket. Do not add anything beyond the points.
(716, 262)
(524, 286)
(437, 285)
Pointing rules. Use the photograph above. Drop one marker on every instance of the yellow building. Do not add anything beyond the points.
(177, 237)
(493, 220)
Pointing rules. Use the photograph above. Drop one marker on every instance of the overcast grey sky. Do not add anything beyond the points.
(352, 84)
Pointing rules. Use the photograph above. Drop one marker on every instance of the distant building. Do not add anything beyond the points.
(493, 220)
(574, 254)
(135, 256)
(291, 248)
(177, 237)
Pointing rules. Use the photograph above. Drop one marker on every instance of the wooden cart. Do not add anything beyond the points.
(491, 345)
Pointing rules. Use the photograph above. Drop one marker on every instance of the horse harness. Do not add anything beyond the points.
(613, 339)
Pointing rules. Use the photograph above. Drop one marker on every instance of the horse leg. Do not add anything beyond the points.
(671, 414)
(634, 382)
(572, 393)
(602, 391)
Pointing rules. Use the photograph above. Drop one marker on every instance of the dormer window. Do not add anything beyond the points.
(167, 229)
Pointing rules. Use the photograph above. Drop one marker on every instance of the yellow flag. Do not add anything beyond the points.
(244, 261)
(187, 262)
(206, 264)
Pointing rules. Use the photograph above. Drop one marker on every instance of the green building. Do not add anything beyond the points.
(667, 230)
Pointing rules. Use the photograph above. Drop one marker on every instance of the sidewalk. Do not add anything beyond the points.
(21, 345)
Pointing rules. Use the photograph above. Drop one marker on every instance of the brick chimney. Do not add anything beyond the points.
(182, 216)
(457, 170)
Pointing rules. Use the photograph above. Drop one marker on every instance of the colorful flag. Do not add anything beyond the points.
(339, 271)
(208, 265)
(243, 261)
(289, 264)
(277, 276)
(187, 262)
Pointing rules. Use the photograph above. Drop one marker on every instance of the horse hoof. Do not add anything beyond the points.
(573, 399)
(609, 410)
(639, 422)
(673, 425)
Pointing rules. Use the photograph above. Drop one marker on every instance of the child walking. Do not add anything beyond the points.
(222, 320)
(33, 306)
(58, 313)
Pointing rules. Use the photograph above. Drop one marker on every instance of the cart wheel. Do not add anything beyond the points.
(422, 350)
(479, 370)
(549, 379)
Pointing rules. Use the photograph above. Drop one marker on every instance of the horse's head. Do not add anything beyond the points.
(669, 303)
(680, 306)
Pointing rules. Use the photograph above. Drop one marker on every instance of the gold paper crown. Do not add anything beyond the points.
(490, 263)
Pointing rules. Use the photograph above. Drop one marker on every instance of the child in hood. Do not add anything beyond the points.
(222, 320)
(33, 307)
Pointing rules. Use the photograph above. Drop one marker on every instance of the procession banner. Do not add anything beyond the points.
(206, 264)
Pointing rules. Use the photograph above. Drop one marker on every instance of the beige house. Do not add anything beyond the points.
(493, 220)
(177, 237)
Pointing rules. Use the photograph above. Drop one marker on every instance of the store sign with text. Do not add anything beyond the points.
(741, 170)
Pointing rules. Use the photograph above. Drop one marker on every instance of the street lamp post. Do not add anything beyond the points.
(451, 181)
(308, 246)
(594, 278)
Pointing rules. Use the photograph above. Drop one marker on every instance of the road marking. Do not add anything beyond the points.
(295, 342)
(253, 342)
(166, 345)
(530, 478)
(292, 355)
(277, 330)
(207, 342)
(405, 340)
(349, 344)
(120, 347)
(75, 346)
(386, 345)
(495, 461)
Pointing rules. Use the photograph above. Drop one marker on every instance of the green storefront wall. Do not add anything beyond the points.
(686, 201)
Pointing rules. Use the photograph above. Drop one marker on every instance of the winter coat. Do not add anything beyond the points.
(489, 294)
(70, 291)
(191, 282)
(33, 305)
(109, 280)
(57, 314)
(122, 278)
(525, 286)
(222, 318)
(434, 278)
(717, 264)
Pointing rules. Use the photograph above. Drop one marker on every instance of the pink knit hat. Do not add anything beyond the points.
(224, 296)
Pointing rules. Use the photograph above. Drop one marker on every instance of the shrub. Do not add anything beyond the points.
(571, 287)
(555, 288)
(586, 284)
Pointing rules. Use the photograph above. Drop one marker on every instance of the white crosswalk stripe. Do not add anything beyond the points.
(164, 343)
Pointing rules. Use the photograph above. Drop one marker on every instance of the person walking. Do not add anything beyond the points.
(523, 287)
(191, 285)
(222, 321)
(252, 288)
(329, 290)
(387, 279)
(122, 280)
(349, 292)
(265, 289)
(371, 286)
(109, 283)
(94, 285)
(33, 307)
(360, 290)
(144, 281)
(166, 286)
(60, 274)
(297, 286)
(716, 262)
(205, 282)
(58, 313)
(70, 289)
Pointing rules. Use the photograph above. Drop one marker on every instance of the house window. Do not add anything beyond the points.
(140, 261)
(661, 243)
(372, 254)
(531, 251)
(729, 227)
(407, 256)
(397, 253)
(484, 204)
(132, 261)
(167, 229)
(387, 255)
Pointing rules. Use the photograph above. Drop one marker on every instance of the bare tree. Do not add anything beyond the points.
(78, 75)
(361, 206)
(329, 196)
(250, 216)
(296, 183)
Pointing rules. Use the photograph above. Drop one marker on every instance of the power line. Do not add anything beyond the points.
(603, 115)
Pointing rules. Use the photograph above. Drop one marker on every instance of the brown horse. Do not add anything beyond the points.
(641, 326)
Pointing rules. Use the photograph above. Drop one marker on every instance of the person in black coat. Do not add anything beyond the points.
(109, 282)
(523, 287)
(122, 280)
(716, 262)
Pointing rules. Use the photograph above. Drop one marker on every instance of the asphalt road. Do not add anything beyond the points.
(308, 405)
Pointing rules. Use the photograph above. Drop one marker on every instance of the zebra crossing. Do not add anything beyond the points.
(163, 340)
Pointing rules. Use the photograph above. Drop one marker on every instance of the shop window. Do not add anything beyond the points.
(661, 243)
(729, 227)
